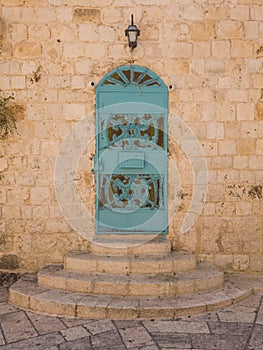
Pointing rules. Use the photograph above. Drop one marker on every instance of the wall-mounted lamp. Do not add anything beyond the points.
(132, 32)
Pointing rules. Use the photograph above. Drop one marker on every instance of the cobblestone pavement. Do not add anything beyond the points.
(239, 327)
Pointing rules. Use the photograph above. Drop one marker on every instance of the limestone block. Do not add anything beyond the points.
(209, 209)
(215, 130)
(257, 81)
(38, 32)
(74, 50)
(11, 14)
(180, 50)
(106, 34)
(258, 111)
(237, 95)
(255, 162)
(229, 29)
(223, 261)
(257, 12)
(245, 111)
(259, 149)
(27, 50)
(57, 226)
(64, 14)
(251, 30)
(240, 12)
(193, 12)
(201, 49)
(216, 12)
(202, 31)
(227, 147)
(87, 15)
(88, 32)
(176, 66)
(82, 66)
(12, 2)
(118, 51)
(3, 164)
(244, 208)
(215, 193)
(246, 146)
(241, 48)
(63, 32)
(11, 212)
(18, 32)
(18, 195)
(177, 32)
(256, 263)
(18, 82)
(56, 82)
(40, 195)
(249, 129)
(221, 48)
(240, 162)
(97, 50)
(73, 111)
(46, 14)
(241, 262)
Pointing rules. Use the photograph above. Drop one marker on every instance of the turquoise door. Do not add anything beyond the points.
(131, 152)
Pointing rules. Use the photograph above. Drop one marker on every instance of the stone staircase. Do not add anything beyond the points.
(122, 279)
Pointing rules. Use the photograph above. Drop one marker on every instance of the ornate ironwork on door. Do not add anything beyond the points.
(131, 152)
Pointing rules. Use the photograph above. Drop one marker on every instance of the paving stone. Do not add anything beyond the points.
(150, 347)
(108, 340)
(176, 327)
(256, 341)
(16, 326)
(252, 301)
(75, 333)
(208, 317)
(72, 322)
(2, 341)
(127, 323)
(7, 308)
(230, 328)
(218, 342)
(3, 294)
(172, 341)
(136, 337)
(259, 319)
(80, 344)
(45, 324)
(237, 313)
(100, 326)
(42, 342)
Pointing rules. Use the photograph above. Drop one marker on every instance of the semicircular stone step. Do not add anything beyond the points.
(139, 245)
(203, 278)
(26, 294)
(175, 261)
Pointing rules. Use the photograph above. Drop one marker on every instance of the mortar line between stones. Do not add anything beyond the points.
(253, 324)
(117, 329)
(155, 343)
(3, 334)
(32, 324)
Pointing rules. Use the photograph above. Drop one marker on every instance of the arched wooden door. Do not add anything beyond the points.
(131, 152)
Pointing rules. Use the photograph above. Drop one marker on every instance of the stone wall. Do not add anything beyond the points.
(211, 50)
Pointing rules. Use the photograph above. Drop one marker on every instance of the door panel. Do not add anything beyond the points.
(131, 160)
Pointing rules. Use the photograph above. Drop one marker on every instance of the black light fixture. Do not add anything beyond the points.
(132, 32)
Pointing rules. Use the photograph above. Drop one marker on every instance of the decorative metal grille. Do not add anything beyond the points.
(129, 76)
(131, 191)
(132, 131)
